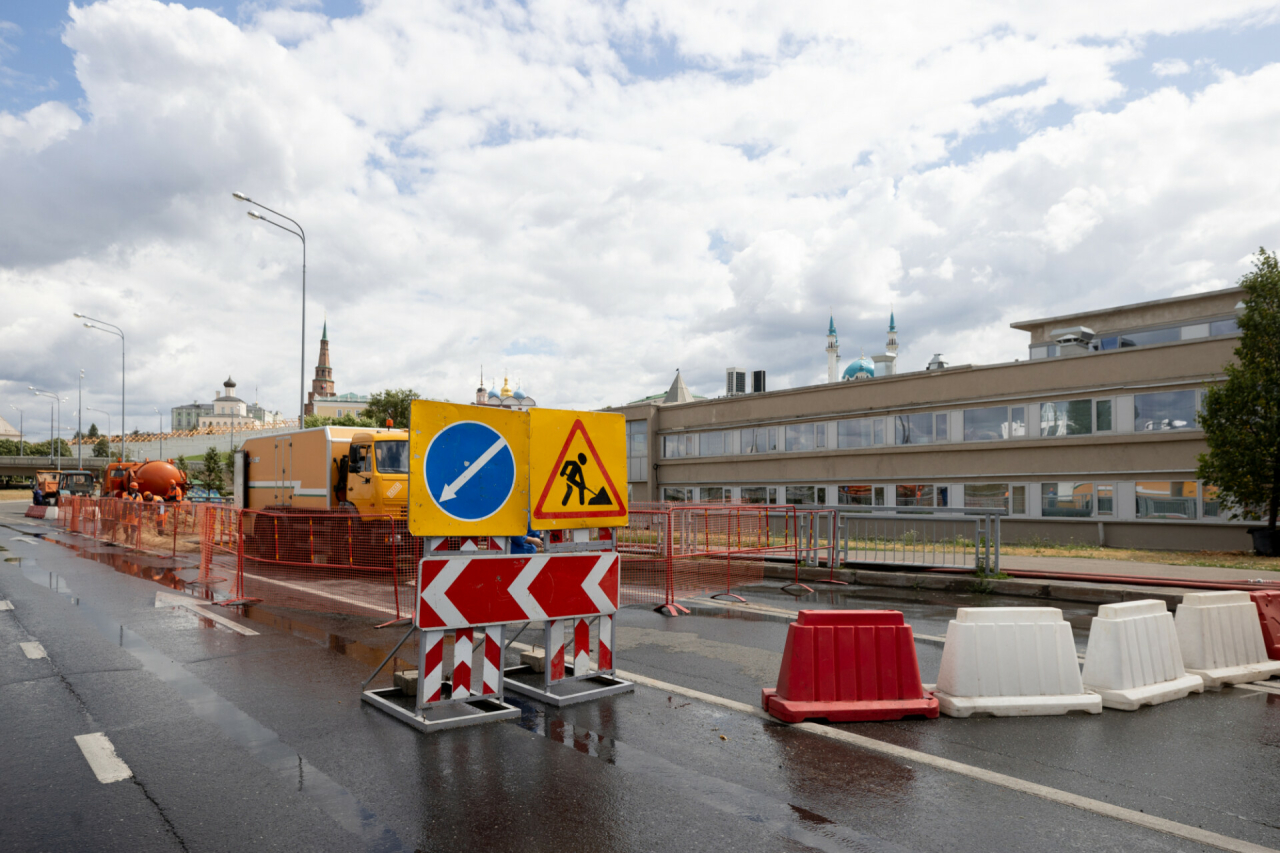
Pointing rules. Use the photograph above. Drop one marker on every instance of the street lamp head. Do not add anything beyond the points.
(253, 214)
(90, 326)
(78, 315)
(240, 197)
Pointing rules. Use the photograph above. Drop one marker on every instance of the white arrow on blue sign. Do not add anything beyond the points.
(469, 470)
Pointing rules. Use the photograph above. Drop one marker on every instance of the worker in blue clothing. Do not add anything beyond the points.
(530, 543)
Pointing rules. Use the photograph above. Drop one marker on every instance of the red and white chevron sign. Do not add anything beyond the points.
(469, 590)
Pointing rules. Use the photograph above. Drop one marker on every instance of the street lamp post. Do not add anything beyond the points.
(112, 330)
(80, 421)
(57, 402)
(22, 445)
(160, 434)
(108, 414)
(301, 235)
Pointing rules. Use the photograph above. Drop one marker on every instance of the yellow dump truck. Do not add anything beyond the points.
(365, 471)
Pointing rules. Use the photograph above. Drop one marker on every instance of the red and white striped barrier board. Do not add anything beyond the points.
(475, 590)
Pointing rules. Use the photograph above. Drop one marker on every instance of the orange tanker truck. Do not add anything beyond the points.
(154, 476)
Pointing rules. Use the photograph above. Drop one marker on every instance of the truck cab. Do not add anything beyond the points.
(78, 483)
(373, 478)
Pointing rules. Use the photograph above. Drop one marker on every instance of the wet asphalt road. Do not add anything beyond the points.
(261, 743)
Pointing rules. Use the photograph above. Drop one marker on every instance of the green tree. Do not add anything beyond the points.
(393, 404)
(349, 419)
(1241, 417)
(8, 447)
(181, 464)
(93, 431)
(213, 475)
(102, 448)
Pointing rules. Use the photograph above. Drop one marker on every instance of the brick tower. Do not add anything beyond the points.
(322, 385)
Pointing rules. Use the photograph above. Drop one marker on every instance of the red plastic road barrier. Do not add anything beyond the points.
(468, 590)
(849, 666)
(1268, 604)
(35, 511)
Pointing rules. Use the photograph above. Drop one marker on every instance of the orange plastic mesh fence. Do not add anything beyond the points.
(165, 528)
(334, 562)
(220, 547)
(687, 550)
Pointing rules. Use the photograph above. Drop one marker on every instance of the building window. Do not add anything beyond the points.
(913, 429)
(1072, 417)
(856, 433)
(940, 427)
(800, 437)
(878, 430)
(1019, 500)
(1223, 327)
(800, 495)
(879, 493)
(854, 496)
(820, 436)
(1106, 500)
(986, 496)
(1164, 410)
(637, 450)
(711, 444)
(986, 424)
(761, 440)
(915, 495)
(714, 494)
(1066, 500)
(822, 495)
(755, 494)
(1018, 421)
(1212, 502)
(1104, 415)
(672, 446)
(1167, 500)
(671, 495)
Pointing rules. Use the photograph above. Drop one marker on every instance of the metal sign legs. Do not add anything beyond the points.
(602, 680)
(439, 705)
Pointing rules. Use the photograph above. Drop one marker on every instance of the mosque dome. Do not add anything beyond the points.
(860, 368)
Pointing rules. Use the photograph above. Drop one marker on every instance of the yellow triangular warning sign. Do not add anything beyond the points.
(579, 485)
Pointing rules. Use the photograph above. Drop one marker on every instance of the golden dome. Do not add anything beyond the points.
(506, 388)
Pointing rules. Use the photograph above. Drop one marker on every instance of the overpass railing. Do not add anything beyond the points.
(927, 537)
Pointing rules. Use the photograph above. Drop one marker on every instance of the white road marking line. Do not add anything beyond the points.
(101, 755)
(167, 599)
(1169, 827)
(6, 605)
(26, 539)
(35, 651)
(322, 594)
(1260, 687)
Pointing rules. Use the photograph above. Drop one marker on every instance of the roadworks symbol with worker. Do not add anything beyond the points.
(579, 485)
(571, 472)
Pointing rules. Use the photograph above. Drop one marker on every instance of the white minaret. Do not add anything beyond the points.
(885, 364)
(833, 352)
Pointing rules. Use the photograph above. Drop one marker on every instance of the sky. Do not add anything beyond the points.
(586, 197)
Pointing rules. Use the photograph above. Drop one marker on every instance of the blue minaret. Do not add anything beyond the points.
(833, 352)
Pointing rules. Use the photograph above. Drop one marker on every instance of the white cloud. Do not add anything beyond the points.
(1170, 67)
(494, 185)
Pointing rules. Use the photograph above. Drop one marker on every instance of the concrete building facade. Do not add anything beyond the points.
(1094, 439)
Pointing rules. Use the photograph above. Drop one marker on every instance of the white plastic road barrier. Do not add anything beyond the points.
(1011, 662)
(1133, 657)
(1221, 638)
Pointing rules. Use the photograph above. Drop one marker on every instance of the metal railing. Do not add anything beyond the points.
(929, 537)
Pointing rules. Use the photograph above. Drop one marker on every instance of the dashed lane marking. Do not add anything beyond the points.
(101, 755)
(1157, 824)
(6, 605)
(35, 651)
(168, 599)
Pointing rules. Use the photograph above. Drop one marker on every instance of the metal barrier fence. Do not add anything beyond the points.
(926, 537)
(685, 550)
(335, 562)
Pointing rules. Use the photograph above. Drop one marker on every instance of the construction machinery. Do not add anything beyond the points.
(152, 476)
(352, 469)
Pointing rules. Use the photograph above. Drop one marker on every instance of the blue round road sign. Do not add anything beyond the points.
(469, 470)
